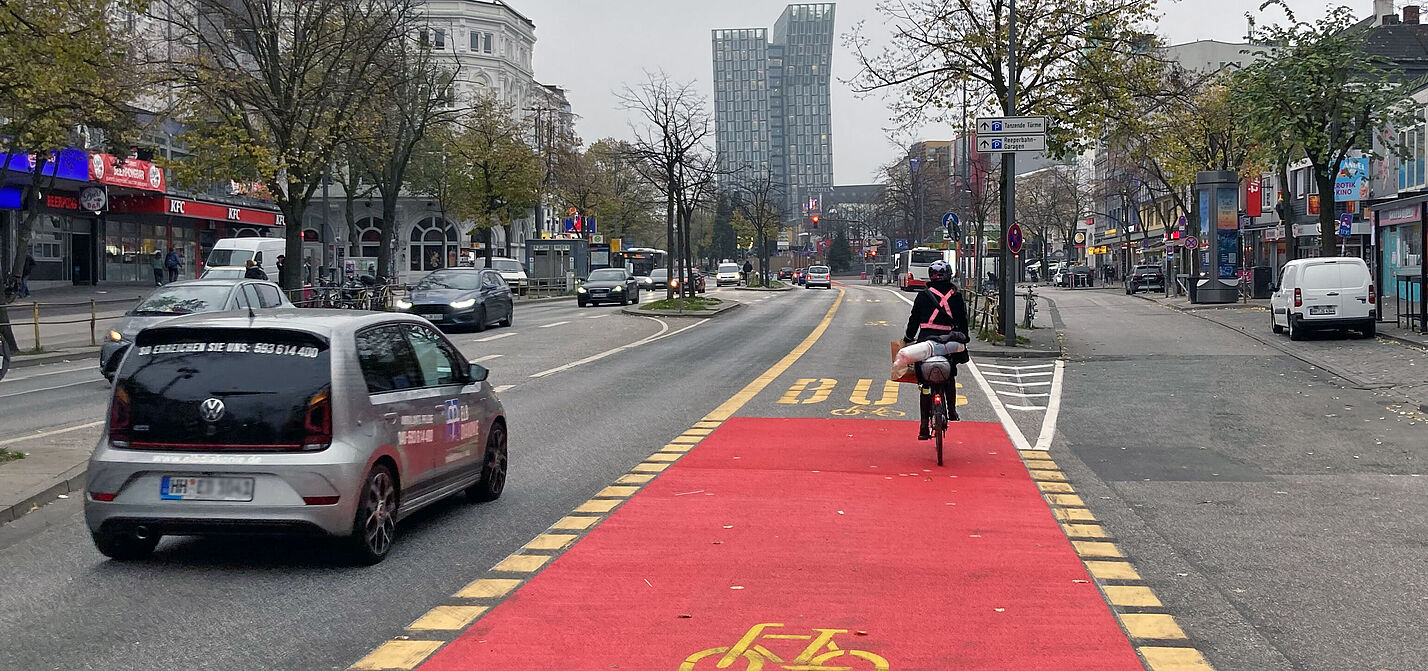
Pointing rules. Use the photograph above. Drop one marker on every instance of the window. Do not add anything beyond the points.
(475, 41)
(439, 39)
(250, 294)
(269, 297)
(387, 360)
(1266, 192)
(432, 241)
(371, 237)
(1410, 165)
(439, 366)
(486, 43)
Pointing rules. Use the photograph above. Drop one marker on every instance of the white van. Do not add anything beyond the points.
(1334, 292)
(235, 252)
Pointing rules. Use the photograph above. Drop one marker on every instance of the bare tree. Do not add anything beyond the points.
(674, 126)
(758, 200)
(271, 88)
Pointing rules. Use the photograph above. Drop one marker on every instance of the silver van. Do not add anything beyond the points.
(293, 421)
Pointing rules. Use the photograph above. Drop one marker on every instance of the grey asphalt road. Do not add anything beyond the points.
(251, 604)
(1277, 511)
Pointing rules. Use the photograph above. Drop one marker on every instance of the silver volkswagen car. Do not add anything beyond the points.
(292, 421)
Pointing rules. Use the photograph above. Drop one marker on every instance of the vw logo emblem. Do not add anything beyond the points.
(211, 410)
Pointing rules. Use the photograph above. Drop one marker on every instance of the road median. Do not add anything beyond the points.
(695, 306)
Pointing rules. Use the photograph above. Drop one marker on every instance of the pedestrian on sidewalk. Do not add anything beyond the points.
(748, 270)
(254, 272)
(158, 263)
(279, 263)
(173, 263)
(25, 269)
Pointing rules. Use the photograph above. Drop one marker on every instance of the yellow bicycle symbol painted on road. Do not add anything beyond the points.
(870, 411)
(820, 650)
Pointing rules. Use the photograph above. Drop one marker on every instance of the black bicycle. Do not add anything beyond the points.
(939, 419)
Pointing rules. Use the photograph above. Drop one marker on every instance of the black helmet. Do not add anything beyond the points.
(939, 271)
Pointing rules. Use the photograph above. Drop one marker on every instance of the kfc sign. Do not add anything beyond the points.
(129, 173)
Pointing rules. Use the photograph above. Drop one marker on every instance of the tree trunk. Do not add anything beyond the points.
(1286, 216)
(669, 238)
(389, 222)
(29, 213)
(1328, 221)
(294, 211)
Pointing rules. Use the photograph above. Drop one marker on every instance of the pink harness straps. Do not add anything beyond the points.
(942, 299)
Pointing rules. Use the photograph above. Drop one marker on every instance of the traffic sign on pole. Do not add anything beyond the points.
(1010, 143)
(1014, 238)
(1011, 125)
(1346, 225)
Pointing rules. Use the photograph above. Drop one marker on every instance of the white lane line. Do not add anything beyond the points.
(12, 379)
(502, 388)
(55, 432)
(988, 365)
(62, 386)
(1021, 384)
(488, 357)
(663, 332)
(498, 336)
(1012, 393)
(1021, 375)
(597, 316)
(546, 326)
(1053, 409)
(1025, 407)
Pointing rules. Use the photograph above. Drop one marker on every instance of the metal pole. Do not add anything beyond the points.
(326, 227)
(1008, 288)
(35, 307)
(91, 323)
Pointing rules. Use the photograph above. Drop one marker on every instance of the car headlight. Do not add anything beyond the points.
(674, 283)
(403, 304)
(116, 336)
(579, 290)
(462, 305)
(618, 288)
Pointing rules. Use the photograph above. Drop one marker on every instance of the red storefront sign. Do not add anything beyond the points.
(180, 207)
(57, 201)
(130, 173)
(1254, 202)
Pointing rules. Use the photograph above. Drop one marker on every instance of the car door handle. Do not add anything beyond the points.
(1332, 293)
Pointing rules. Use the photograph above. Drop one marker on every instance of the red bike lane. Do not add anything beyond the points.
(813, 544)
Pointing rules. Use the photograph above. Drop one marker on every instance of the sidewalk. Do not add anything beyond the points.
(54, 465)
(788, 543)
(1397, 360)
(71, 304)
(1042, 341)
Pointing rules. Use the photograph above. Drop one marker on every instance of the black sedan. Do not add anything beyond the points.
(461, 297)
(608, 285)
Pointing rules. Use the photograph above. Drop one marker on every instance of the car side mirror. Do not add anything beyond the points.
(479, 373)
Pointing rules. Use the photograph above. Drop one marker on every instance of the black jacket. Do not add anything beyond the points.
(255, 273)
(926, 304)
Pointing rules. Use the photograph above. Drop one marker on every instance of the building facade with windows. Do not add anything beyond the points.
(771, 104)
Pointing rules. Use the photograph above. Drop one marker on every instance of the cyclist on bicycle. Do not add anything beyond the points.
(938, 312)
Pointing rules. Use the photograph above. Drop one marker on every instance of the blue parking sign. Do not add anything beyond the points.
(900, 244)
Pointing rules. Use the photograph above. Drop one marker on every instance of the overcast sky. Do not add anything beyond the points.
(593, 47)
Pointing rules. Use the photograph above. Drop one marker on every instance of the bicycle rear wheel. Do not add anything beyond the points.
(939, 418)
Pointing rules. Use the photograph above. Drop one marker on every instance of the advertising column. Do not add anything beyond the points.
(1218, 195)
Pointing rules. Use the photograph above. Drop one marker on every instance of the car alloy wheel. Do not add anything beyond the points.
(493, 468)
(376, 524)
(480, 318)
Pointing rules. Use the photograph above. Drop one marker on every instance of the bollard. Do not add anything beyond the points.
(36, 307)
(92, 342)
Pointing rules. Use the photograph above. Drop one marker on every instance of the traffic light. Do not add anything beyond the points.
(873, 253)
(813, 219)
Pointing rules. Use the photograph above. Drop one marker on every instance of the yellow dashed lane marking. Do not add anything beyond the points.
(1112, 570)
(676, 448)
(698, 432)
(706, 425)
(634, 479)
(686, 440)
(490, 588)
(574, 523)
(1151, 626)
(447, 618)
(664, 456)
(650, 468)
(1069, 500)
(521, 563)
(1033, 454)
(1096, 549)
(1174, 659)
(1084, 531)
(1073, 514)
(597, 506)
(752, 389)
(1042, 464)
(1131, 596)
(617, 492)
(1056, 487)
(397, 655)
(550, 541)
(1052, 476)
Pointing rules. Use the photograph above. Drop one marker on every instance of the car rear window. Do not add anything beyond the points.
(818, 269)
(265, 379)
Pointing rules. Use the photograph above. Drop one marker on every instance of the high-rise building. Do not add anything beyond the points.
(771, 103)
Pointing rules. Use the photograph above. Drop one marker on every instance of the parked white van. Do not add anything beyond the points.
(1334, 292)
(235, 252)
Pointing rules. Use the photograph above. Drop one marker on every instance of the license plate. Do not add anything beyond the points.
(433, 316)
(1321, 309)
(184, 488)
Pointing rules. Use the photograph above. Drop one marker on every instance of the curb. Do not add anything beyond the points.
(71, 480)
(548, 299)
(1005, 353)
(26, 360)
(786, 287)
(703, 314)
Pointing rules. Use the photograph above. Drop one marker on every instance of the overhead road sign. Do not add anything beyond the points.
(1011, 125)
(1011, 143)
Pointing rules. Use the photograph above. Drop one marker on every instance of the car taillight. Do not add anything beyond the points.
(119, 419)
(1298, 298)
(317, 423)
(320, 500)
(102, 496)
(1373, 295)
